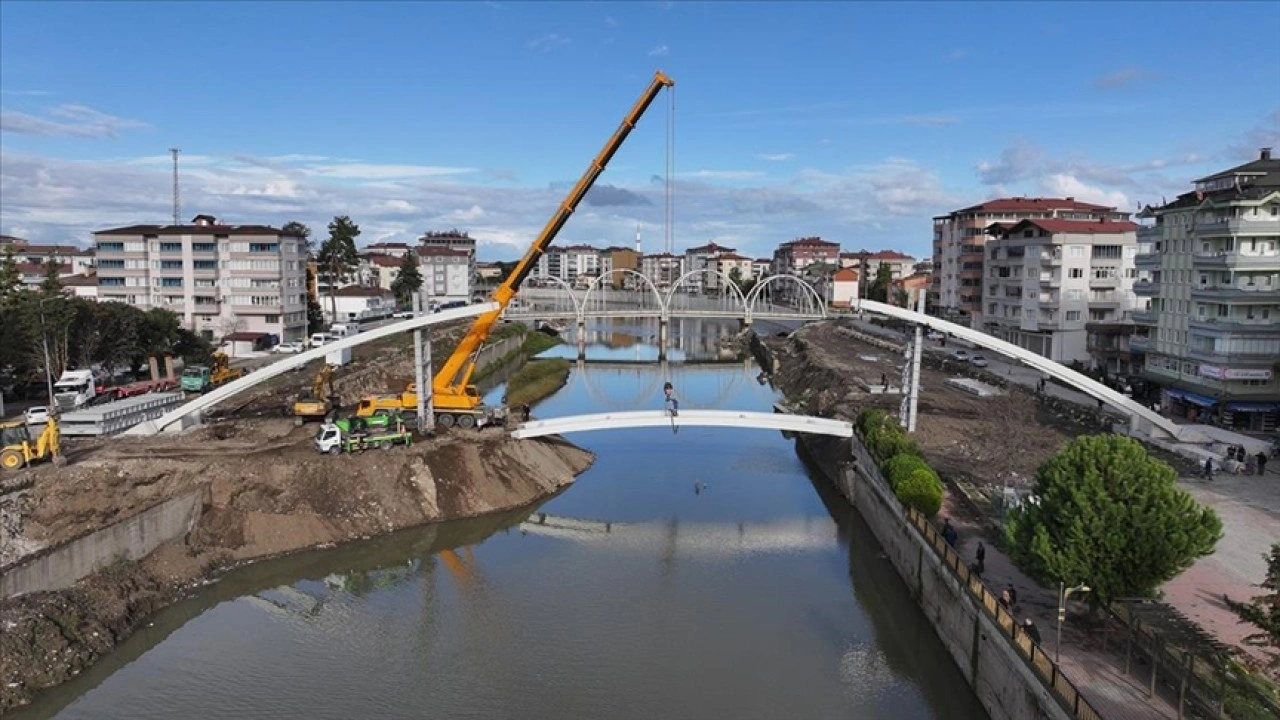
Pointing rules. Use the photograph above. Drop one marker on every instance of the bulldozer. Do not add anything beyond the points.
(318, 404)
(18, 450)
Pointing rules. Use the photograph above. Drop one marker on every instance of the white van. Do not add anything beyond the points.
(318, 339)
(344, 329)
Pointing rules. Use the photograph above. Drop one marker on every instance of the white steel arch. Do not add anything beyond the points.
(728, 281)
(811, 293)
(573, 296)
(688, 418)
(597, 281)
(1141, 418)
(235, 387)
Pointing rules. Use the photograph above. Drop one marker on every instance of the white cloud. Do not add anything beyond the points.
(71, 120)
(475, 212)
(1123, 77)
(1066, 185)
(371, 171)
(957, 54)
(776, 157)
(659, 51)
(722, 174)
(547, 42)
(25, 93)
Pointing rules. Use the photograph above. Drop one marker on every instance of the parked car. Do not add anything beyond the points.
(960, 355)
(37, 415)
(318, 339)
(402, 314)
(288, 347)
(978, 361)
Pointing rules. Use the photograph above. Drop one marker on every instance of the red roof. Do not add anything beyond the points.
(443, 252)
(388, 246)
(79, 280)
(731, 256)
(28, 268)
(710, 248)
(1023, 204)
(845, 275)
(384, 260)
(810, 242)
(1095, 227)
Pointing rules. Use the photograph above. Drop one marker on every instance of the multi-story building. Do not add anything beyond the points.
(620, 258)
(900, 265)
(909, 287)
(1047, 279)
(700, 258)
(220, 279)
(662, 269)
(70, 259)
(446, 273)
(453, 240)
(731, 265)
(394, 249)
(1212, 334)
(567, 263)
(378, 270)
(794, 256)
(959, 236)
(760, 267)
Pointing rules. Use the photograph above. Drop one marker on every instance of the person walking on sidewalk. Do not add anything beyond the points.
(1031, 630)
(1262, 463)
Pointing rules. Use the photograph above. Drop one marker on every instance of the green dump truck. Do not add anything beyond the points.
(357, 434)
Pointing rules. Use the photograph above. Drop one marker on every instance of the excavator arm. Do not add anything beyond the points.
(455, 374)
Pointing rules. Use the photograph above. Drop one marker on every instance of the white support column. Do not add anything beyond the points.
(917, 348)
(421, 371)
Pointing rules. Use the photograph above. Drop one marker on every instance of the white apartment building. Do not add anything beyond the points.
(900, 265)
(378, 270)
(662, 268)
(731, 265)
(1212, 335)
(1046, 280)
(220, 279)
(446, 273)
(701, 258)
(569, 262)
(394, 249)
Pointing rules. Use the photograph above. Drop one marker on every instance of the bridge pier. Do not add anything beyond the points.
(582, 338)
(663, 333)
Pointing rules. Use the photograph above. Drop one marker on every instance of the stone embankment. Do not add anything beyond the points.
(264, 491)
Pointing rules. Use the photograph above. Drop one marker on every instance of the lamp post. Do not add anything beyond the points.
(44, 344)
(1064, 592)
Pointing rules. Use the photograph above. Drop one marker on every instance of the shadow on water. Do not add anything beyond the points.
(904, 635)
(361, 567)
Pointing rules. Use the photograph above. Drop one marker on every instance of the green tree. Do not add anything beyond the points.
(52, 283)
(293, 227)
(1263, 611)
(337, 256)
(10, 275)
(1108, 514)
(315, 314)
(408, 280)
(879, 290)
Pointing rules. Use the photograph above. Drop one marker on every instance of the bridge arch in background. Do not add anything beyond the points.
(674, 291)
(597, 281)
(575, 305)
(812, 302)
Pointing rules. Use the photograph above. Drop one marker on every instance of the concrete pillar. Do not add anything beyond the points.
(663, 329)
(582, 337)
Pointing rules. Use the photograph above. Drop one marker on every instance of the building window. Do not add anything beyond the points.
(1076, 273)
(110, 247)
(111, 281)
(264, 247)
(205, 264)
(204, 247)
(1073, 316)
(271, 319)
(170, 264)
(170, 247)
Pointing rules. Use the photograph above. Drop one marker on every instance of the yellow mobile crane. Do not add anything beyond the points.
(456, 400)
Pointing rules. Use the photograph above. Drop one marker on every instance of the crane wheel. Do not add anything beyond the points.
(466, 422)
(445, 420)
(385, 445)
(11, 460)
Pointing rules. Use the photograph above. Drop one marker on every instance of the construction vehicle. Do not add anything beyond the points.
(456, 401)
(358, 434)
(203, 378)
(320, 402)
(75, 389)
(18, 450)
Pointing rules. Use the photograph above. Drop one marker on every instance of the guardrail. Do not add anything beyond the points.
(1045, 668)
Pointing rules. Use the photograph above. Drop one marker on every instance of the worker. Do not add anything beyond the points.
(673, 403)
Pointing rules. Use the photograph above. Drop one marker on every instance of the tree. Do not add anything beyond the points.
(337, 255)
(315, 314)
(293, 227)
(408, 280)
(1107, 514)
(1263, 611)
(10, 275)
(879, 290)
(51, 284)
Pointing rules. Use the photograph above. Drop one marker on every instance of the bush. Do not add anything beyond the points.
(900, 466)
(922, 490)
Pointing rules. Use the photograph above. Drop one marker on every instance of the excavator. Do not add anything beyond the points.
(18, 450)
(319, 403)
(456, 400)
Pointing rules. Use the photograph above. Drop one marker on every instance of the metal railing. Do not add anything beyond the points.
(1039, 661)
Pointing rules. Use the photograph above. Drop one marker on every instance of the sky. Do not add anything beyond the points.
(855, 122)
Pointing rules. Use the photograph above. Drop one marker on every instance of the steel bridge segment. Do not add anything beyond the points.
(1136, 411)
(250, 380)
(686, 418)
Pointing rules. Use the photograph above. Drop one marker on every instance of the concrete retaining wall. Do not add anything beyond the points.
(1004, 683)
(497, 351)
(132, 539)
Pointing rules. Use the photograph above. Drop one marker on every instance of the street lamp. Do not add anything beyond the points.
(1064, 592)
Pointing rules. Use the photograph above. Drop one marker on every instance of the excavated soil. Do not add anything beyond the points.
(984, 442)
(267, 492)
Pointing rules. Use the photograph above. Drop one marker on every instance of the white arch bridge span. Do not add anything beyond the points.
(691, 418)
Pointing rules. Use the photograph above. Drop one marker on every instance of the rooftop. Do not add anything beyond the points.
(442, 252)
(1087, 227)
(361, 291)
(809, 242)
(711, 247)
(200, 225)
(1026, 204)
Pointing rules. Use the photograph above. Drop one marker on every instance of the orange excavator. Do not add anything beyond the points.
(456, 400)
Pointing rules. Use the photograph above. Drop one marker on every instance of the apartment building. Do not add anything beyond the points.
(219, 278)
(700, 258)
(760, 267)
(620, 259)
(394, 249)
(446, 273)
(794, 256)
(378, 270)
(452, 240)
(731, 265)
(1047, 279)
(663, 269)
(569, 262)
(900, 265)
(1212, 335)
(959, 236)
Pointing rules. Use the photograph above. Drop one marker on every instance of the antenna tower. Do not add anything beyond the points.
(176, 215)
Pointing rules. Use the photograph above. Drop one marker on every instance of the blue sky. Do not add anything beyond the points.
(856, 122)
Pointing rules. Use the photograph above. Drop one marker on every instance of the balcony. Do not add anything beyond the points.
(1105, 283)
(1235, 260)
(1235, 326)
(1146, 288)
(1237, 226)
(1219, 357)
(1050, 280)
(1146, 261)
(1139, 343)
(1235, 293)
(1105, 301)
(1143, 317)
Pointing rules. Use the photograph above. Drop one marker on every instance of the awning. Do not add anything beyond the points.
(1253, 406)
(1201, 400)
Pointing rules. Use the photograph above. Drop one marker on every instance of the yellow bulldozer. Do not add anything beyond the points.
(18, 450)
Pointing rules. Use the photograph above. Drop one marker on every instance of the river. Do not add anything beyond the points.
(692, 574)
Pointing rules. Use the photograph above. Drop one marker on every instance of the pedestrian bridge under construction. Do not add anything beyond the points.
(688, 418)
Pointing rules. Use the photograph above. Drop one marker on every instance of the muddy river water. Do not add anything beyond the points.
(692, 574)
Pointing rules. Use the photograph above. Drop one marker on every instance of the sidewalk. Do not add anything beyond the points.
(1098, 675)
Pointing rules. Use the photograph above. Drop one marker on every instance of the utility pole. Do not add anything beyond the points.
(909, 406)
(422, 369)
(48, 365)
(176, 215)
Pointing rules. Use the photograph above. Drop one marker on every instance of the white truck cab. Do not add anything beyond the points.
(329, 438)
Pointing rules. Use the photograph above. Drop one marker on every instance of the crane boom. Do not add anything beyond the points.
(451, 382)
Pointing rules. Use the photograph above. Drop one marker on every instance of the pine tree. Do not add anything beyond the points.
(1263, 611)
(408, 280)
(337, 256)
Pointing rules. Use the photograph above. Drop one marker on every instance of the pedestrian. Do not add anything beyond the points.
(1031, 630)
(524, 412)
(1013, 594)
(1262, 463)
(673, 403)
(982, 557)
(884, 381)
(949, 533)
(1208, 468)
(1006, 601)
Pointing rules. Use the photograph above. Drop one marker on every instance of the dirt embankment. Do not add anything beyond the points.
(984, 442)
(268, 492)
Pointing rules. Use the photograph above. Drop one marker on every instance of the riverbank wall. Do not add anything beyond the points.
(1011, 677)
